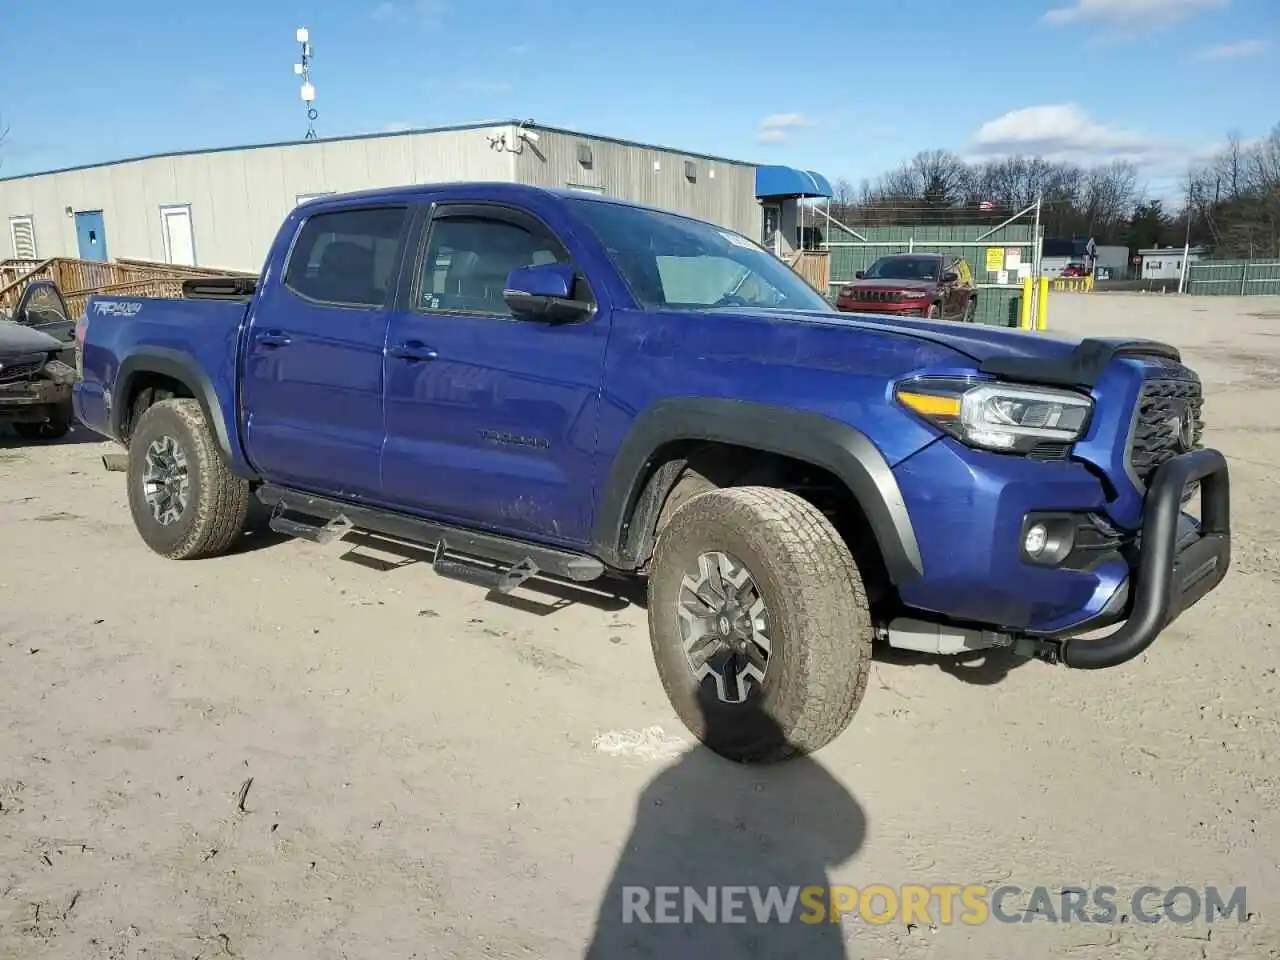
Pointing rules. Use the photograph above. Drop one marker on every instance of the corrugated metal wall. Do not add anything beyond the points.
(1248, 278)
(722, 191)
(237, 197)
(998, 304)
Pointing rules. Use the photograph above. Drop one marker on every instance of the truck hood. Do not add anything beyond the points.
(976, 341)
(17, 340)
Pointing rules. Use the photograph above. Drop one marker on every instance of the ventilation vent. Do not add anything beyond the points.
(24, 238)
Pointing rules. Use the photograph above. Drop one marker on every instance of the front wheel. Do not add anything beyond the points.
(185, 503)
(935, 312)
(759, 623)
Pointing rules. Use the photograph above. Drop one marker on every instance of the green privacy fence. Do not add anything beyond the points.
(1241, 278)
(994, 255)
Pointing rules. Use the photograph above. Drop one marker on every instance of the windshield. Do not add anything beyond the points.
(674, 263)
(904, 268)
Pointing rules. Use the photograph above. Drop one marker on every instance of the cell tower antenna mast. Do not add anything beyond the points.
(303, 69)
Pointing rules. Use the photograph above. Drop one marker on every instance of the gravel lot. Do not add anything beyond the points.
(432, 774)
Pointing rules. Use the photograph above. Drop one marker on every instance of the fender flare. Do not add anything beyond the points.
(633, 493)
(181, 367)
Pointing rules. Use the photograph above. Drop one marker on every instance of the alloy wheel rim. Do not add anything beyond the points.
(166, 482)
(724, 625)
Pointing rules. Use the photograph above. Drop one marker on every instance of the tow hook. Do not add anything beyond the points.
(1039, 648)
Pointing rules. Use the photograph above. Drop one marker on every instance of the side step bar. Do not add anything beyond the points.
(323, 520)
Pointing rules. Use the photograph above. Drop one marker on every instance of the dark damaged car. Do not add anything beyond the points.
(37, 365)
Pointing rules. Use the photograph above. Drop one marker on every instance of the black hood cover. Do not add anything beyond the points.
(17, 340)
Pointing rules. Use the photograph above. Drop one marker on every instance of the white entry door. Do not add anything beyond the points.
(179, 240)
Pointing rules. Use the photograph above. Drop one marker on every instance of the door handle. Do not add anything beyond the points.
(274, 338)
(413, 351)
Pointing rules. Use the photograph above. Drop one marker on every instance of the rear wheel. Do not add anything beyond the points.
(759, 623)
(185, 503)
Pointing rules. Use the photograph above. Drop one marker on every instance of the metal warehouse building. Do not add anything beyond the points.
(221, 208)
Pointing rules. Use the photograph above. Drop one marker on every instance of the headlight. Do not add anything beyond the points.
(998, 416)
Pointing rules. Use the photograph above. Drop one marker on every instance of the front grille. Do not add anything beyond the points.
(17, 371)
(877, 296)
(1157, 426)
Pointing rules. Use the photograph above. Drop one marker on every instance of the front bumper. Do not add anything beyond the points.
(1172, 572)
(32, 401)
(969, 510)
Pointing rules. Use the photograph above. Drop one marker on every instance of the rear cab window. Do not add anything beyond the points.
(348, 258)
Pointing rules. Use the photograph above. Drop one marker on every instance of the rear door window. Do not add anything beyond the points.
(348, 258)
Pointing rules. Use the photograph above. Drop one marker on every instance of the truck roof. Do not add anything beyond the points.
(410, 193)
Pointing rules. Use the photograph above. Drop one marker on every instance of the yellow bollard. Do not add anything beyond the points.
(1028, 301)
(1042, 306)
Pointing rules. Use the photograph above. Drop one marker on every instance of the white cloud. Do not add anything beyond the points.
(1060, 131)
(1129, 15)
(778, 127)
(1065, 133)
(1233, 51)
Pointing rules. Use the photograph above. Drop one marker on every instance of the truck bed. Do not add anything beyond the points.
(192, 335)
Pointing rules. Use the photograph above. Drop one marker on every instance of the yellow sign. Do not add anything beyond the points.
(995, 259)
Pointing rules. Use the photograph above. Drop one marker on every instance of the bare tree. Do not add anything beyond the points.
(1234, 199)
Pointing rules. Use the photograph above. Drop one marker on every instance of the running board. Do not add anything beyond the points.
(305, 527)
(322, 520)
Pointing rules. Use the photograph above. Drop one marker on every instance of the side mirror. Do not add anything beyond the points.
(859, 274)
(545, 292)
(950, 277)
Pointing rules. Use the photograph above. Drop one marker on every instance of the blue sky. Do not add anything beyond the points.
(848, 89)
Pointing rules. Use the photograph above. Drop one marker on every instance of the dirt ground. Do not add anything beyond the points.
(425, 773)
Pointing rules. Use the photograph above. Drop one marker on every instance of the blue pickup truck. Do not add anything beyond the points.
(542, 383)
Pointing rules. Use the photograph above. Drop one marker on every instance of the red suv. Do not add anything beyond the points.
(913, 285)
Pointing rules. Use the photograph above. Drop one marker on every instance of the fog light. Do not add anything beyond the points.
(1036, 539)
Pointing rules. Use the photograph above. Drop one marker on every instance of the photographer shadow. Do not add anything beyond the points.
(707, 825)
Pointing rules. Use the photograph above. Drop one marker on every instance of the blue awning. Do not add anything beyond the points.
(777, 181)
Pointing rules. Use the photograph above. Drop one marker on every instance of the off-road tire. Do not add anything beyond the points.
(820, 624)
(935, 312)
(218, 501)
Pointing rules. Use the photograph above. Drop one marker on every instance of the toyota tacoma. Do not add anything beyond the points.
(542, 383)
